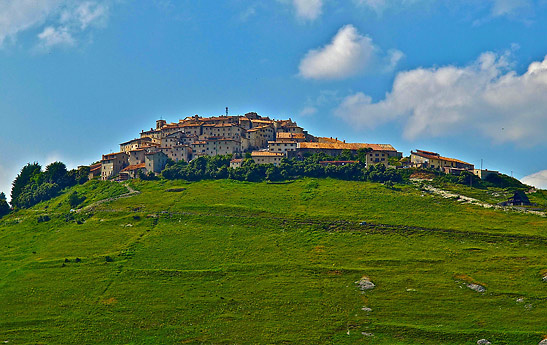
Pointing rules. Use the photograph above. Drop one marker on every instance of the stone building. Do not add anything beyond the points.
(428, 159)
(112, 164)
(155, 161)
(266, 157)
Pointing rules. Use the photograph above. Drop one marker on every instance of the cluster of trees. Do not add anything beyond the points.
(492, 180)
(33, 185)
(217, 167)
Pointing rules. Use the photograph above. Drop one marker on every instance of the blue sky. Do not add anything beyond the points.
(464, 78)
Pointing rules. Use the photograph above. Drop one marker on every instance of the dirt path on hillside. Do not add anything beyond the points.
(130, 192)
(468, 200)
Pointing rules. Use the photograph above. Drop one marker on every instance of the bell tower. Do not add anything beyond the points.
(160, 123)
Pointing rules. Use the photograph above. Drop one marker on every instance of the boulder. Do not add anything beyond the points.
(366, 309)
(476, 287)
(365, 284)
(483, 342)
(543, 342)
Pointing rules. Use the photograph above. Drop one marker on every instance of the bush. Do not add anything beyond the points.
(43, 218)
(75, 200)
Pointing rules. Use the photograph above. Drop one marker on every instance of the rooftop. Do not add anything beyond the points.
(434, 155)
(345, 146)
(266, 154)
(134, 167)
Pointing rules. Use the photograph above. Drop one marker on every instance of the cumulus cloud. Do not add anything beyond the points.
(85, 14)
(538, 180)
(485, 97)
(59, 21)
(379, 6)
(5, 182)
(55, 36)
(308, 111)
(348, 54)
(20, 15)
(509, 7)
(74, 19)
(308, 9)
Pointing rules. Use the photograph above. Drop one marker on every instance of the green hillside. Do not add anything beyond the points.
(227, 262)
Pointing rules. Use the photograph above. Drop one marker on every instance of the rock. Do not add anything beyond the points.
(543, 342)
(544, 278)
(483, 342)
(520, 300)
(366, 334)
(476, 287)
(366, 309)
(365, 284)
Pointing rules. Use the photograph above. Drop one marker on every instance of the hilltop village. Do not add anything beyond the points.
(265, 140)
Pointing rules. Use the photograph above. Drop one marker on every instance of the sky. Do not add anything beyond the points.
(464, 78)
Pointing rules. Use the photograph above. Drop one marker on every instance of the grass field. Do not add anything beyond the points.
(227, 262)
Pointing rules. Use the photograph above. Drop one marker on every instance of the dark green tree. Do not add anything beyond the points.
(23, 179)
(4, 206)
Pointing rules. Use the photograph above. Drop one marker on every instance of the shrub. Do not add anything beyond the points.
(75, 200)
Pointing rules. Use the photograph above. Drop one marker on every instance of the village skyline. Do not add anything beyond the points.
(462, 78)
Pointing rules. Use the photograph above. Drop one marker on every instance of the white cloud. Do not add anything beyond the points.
(85, 14)
(20, 15)
(58, 21)
(348, 54)
(5, 182)
(509, 7)
(538, 180)
(486, 97)
(55, 36)
(379, 6)
(308, 111)
(74, 19)
(308, 9)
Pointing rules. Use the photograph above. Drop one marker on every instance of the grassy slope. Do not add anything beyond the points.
(237, 262)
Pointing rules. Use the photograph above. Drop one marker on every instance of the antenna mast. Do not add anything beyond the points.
(226, 111)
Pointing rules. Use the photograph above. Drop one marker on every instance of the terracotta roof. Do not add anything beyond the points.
(345, 146)
(95, 168)
(266, 154)
(288, 135)
(112, 155)
(428, 152)
(281, 142)
(433, 155)
(262, 121)
(237, 160)
(138, 139)
(328, 140)
(134, 167)
(219, 139)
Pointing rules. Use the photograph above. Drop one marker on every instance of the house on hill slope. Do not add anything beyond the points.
(428, 159)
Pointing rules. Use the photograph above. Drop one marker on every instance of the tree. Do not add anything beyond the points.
(362, 154)
(23, 179)
(4, 206)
